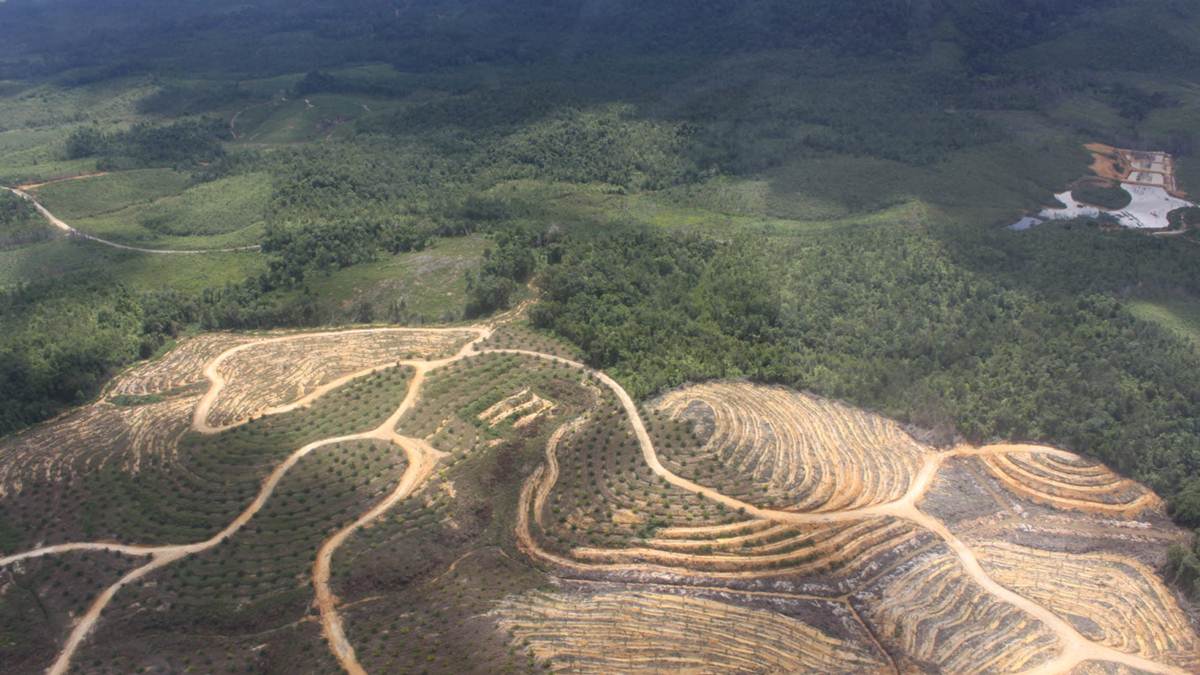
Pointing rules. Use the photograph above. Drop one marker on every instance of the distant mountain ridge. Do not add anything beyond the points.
(49, 36)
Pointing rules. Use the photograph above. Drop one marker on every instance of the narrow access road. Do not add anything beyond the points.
(423, 458)
(72, 232)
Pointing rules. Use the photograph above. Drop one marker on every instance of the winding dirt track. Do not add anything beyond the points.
(217, 380)
(423, 458)
(72, 232)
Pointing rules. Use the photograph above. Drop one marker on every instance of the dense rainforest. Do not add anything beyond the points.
(129, 35)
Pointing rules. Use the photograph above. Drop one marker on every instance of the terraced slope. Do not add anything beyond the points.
(273, 375)
(1070, 483)
(1113, 600)
(809, 454)
(652, 632)
(447, 500)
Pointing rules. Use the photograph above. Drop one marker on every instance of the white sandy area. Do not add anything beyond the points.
(1147, 211)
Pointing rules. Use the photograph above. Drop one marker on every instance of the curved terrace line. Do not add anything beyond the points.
(422, 459)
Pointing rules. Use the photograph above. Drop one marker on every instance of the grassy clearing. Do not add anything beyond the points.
(224, 213)
(45, 260)
(186, 273)
(49, 105)
(307, 118)
(1177, 314)
(218, 207)
(30, 146)
(669, 213)
(718, 208)
(35, 122)
(141, 271)
(980, 184)
(116, 228)
(1083, 112)
(107, 194)
(1013, 176)
(420, 287)
(21, 172)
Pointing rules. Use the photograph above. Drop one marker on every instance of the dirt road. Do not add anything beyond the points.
(72, 232)
(1077, 648)
(423, 459)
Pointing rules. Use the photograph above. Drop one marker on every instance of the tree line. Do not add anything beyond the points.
(887, 318)
(19, 222)
(185, 143)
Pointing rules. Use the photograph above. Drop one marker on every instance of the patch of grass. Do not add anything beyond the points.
(221, 206)
(1088, 115)
(1180, 315)
(306, 118)
(44, 260)
(224, 213)
(186, 273)
(52, 105)
(107, 194)
(1011, 176)
(35, 122)
(23, 171)
(418, 287)
(717, 207)
(140, 271)
(118, 229)
(128, 400)
(29, 146)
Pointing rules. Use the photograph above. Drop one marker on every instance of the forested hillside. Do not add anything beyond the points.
(891, 319)
(131, 35)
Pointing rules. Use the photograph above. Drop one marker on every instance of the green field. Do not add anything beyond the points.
(224, 213)
(1179, 315)
(141, 271)
(162, 208)
(35, 122)
(316, 117)
(420, 287)
(74, 199)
